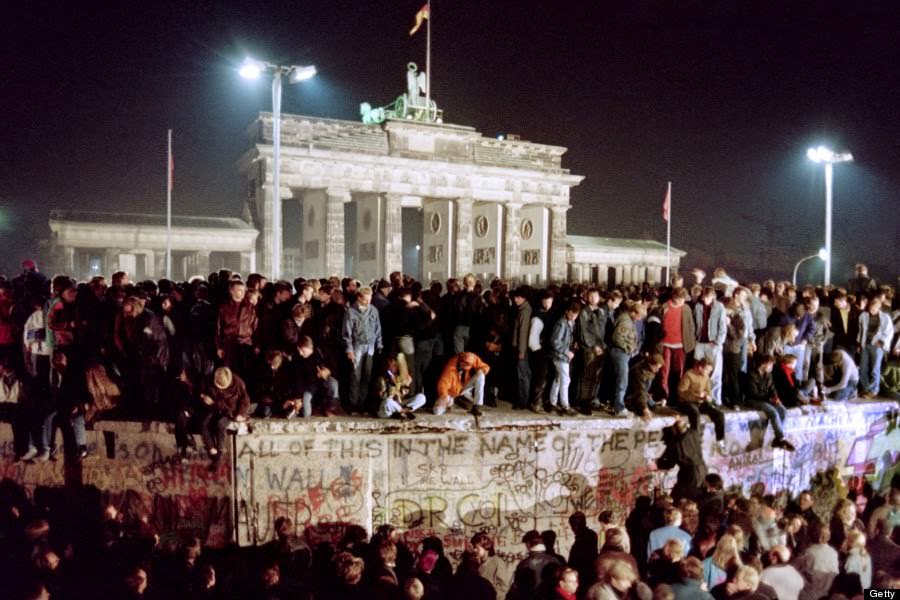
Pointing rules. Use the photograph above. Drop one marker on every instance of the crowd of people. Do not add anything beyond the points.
(211, 352)
(710, 544)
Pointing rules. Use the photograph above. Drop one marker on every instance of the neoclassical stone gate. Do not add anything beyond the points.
(493, 207)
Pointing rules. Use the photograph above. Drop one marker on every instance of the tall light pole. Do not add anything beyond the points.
(821, 254)
(253, 69)
(821, 154)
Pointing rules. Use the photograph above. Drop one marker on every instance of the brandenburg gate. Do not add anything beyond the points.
(493, 207)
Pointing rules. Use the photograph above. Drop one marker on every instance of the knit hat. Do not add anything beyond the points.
(222, 377)
(29, 265)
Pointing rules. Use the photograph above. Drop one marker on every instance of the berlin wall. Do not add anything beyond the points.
(449, 477)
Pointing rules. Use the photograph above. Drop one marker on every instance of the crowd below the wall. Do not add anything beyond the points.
(711, 543)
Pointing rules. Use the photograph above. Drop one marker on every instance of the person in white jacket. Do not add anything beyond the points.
(36, 349)
(876, 331)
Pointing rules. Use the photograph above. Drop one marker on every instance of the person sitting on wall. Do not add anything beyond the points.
(695, 396)
(229, 402)
(392, 389)
(760, 395)
(789, 389)
(461, 381)
(313, 382)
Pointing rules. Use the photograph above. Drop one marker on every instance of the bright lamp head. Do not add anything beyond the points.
(251, 69)
(823, 254)
(821, 154)
(303, 73)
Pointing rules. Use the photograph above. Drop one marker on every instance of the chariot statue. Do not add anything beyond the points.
(413, 105)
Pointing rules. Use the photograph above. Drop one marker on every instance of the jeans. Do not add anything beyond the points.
(360, 377)
(870, 368)
(589, 382)
(672, 369)
(731, 378)
(559, 391)
(620, 372)
(46, 424)
(816, 367)
(391, 405)
(213, 429)
(540, 370)
(76, 421)
(523, 381)
(693, 411)
(798, 350)
(845, 393)
(473, 390)
(775, 413)
(320, 387)
(424, 352)
(460, 338)
(713, 354)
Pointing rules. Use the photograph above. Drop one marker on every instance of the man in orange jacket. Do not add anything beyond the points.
(462, 379)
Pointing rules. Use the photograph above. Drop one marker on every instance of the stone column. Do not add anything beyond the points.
(266, 231)
(69, 262)
(393, 234)
(512, 236)
(111, 261)
(202, 258)
(636, 274)
(462, 228)
(159, 264)
(334, 230)
(557, 248)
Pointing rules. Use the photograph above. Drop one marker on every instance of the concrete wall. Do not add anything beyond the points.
(136, 468)
(508, 480)
(445, 476)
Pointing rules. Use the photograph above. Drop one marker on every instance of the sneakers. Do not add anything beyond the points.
(720, 448)
(82, 452)
(32, 452)
(566, 411)
(42, 457)
(623, 414)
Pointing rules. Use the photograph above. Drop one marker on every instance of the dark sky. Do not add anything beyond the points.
(722, 98)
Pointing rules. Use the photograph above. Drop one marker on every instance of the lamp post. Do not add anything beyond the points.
(822, 254)
(821, 154)
(253, 69)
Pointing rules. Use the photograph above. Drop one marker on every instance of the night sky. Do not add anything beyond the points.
(722, 98)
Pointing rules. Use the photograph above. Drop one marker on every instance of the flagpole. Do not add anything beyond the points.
(669, 236)
(428, 65)
(169, 211)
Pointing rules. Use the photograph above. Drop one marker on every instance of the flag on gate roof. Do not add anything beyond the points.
(420, 16)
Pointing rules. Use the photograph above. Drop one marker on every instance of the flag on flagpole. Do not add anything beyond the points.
(420, 17)
(666, 203)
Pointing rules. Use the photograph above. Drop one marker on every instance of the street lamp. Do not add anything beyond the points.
(253, 69)
(822, 254)
(821, 154)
